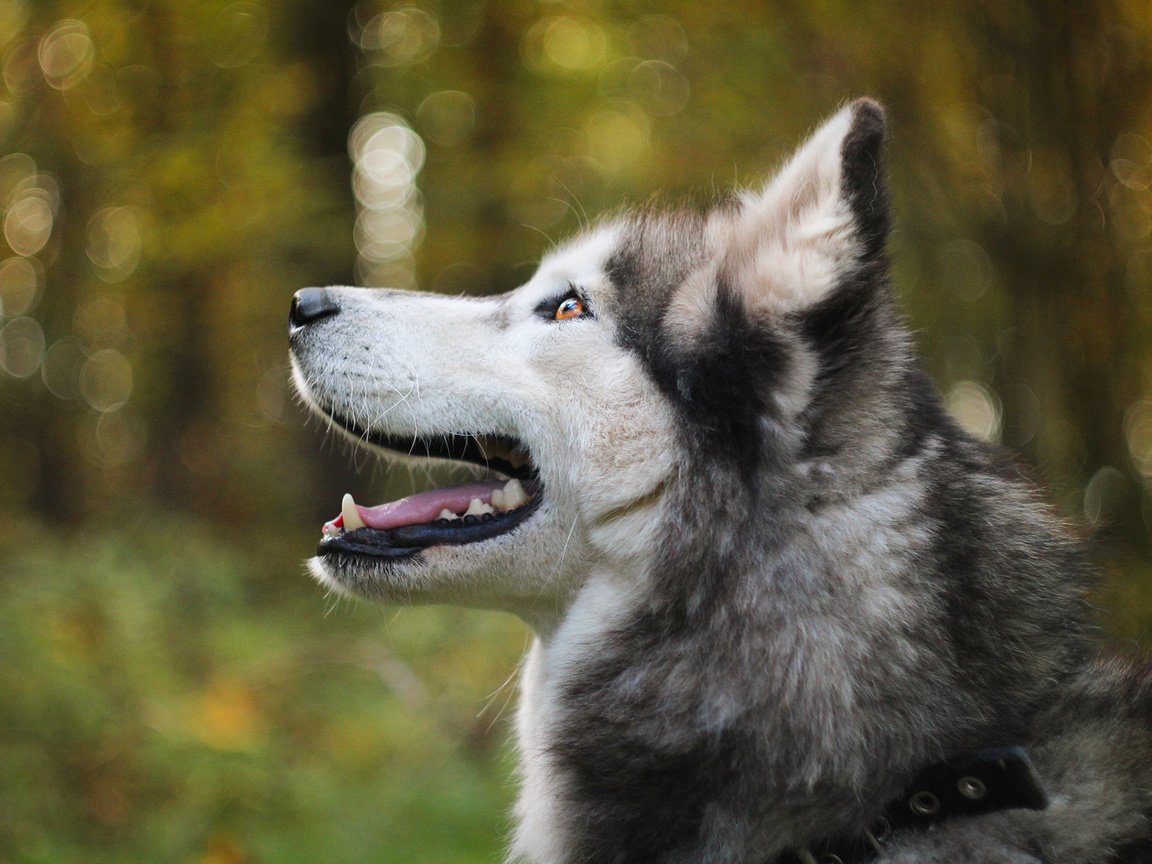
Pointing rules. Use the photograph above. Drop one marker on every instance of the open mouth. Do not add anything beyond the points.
(467, 513)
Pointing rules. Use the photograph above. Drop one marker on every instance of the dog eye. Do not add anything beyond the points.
(570, 307)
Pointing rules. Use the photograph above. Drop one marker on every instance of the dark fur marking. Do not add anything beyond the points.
(923, 417)
(990, 560)
(862, 175)
(723, 384)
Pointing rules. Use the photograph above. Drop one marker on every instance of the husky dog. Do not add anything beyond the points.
(773, 585)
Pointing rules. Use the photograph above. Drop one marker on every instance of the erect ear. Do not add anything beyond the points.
(820, 219)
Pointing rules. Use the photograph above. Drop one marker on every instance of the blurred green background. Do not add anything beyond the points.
(172, 686)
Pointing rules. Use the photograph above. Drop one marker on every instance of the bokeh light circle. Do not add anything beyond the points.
(22, 346)
(106, 379)
(66, 54)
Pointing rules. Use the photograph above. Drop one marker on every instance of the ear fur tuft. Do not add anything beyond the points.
(822, 216)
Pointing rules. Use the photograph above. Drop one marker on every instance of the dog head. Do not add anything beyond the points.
(619, 401)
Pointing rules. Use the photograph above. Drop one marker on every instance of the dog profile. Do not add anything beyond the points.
(784, 608)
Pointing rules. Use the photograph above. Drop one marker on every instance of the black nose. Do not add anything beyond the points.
(311, 304)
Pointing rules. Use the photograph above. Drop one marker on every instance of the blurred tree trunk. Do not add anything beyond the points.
(1064, 81)
(187, 450)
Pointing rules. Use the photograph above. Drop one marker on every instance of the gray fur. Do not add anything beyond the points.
(841, 587)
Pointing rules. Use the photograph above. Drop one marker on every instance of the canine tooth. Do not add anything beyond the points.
(351, 515)
(497, 499)
(514, 494)
(447, 514)
(476, 507)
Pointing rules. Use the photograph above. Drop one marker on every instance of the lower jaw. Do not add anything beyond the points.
(409, 540)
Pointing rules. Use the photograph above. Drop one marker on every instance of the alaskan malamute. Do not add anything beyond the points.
(785, 609)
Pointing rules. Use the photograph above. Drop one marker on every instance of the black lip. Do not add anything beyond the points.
(408, 540)
(460, 447)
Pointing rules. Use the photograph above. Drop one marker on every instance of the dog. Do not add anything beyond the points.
(785, 610)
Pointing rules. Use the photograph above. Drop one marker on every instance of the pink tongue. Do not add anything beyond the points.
(427, 506)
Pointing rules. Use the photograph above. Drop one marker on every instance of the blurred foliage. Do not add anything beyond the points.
(173, 687)
(158, 706)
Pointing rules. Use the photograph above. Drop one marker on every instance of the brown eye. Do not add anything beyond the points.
(570, 307)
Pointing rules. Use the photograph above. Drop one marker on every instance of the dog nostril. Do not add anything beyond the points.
(311, 304)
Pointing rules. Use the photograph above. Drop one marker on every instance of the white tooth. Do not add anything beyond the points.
(448, 514)
(476, 507)
(351, 515)
(497, 499)
(331, 531)
(514, 494)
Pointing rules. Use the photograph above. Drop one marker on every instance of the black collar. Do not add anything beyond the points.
(988, 781)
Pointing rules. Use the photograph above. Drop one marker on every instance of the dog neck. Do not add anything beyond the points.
(560, 644)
